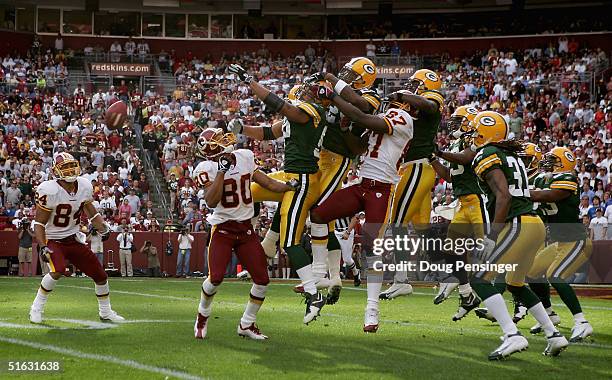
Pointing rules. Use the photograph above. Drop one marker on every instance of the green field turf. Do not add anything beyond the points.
(416, 338)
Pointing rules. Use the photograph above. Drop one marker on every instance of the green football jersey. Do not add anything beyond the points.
(303, 140)
(562, 217)
(334, 140)
(425, 129)
(464, 180)
(492, 157)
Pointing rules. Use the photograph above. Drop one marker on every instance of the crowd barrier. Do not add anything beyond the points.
(600, 270)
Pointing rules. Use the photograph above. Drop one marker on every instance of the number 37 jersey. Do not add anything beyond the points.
(385, 150)
(236, 201)
(65, 208)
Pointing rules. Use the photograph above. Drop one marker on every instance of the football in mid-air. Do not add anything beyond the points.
(116, 115)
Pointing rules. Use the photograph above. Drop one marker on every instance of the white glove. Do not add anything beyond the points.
(236, 126)
(488, 247)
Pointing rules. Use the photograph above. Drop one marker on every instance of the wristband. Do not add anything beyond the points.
(340, 86)
(268, 134)
(39, 223)
(274, 102)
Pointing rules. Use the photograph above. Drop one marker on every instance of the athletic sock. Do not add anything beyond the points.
(333, 263)
(319, 249)
(568, 296)
(269, 242)
(497, 307)
(47, 284)
(465, 290)
(206, 297)
(400, 275)
(256, 299)
(579, 318)
(540, 315)
(353, 268)
(374, 283)
(102, 293)
(308, 280)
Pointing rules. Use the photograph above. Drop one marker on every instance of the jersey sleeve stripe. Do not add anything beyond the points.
(43, 207)
(487, 163)
(310, 110)
(564, 185)
(390, 131)
(372, 100)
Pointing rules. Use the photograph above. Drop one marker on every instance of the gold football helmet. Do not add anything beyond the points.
(459, 122)
(359, 72)
(291, 95)
(531, 156)
(489, 127)
(423, 80)
(213, 142)
(66, 167)
(559, 160)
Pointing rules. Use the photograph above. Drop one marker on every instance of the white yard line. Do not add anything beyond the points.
(102, 358)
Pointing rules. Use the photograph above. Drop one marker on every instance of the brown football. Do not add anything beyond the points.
(116, 115)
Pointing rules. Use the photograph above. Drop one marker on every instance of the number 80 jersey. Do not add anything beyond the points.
(236, 201)
(65, 208)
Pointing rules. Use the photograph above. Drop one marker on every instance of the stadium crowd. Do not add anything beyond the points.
(542, 92)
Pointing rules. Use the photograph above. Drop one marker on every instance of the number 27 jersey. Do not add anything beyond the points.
(65, 208)
(236, 201)
(385, 150)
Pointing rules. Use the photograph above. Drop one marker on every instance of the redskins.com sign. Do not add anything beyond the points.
(129, 69)
(394, 71)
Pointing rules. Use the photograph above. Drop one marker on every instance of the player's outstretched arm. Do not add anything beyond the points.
(417, 102)
(373, 123)
(549, 195)
(441, 170)
(257, 132)
(343, 89)
(464, 157)
(273, 185)
(499, 186)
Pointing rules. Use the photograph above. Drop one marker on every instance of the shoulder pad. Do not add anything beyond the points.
(50, 187)
(313, 110)
(435, 96)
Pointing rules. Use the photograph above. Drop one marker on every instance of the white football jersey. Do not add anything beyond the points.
(65, 208)
(236, 202)
(385, 150)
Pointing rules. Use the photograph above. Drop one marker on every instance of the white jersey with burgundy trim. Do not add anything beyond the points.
(236, 201)
(65, 208)
(385, 150)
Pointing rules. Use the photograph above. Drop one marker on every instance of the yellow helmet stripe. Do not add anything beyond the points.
(487, 163)
(374, 102)
(312, 112)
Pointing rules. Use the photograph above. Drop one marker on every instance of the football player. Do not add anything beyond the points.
(59, 205)
(515, 236)
(412, 195)
(471, 219)
(391, 132)
(303, 129)
(557, 192)
(226, 176)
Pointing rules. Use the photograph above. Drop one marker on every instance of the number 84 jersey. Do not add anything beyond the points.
(65, 208)
(492, 157)
(236, 201)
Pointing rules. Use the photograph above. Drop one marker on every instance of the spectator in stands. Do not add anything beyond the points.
(598, 226)
(126, 242)
(152, 258)
(25, 236)
(115, 51)
(185, 240)
(143, 49)
(370, 49)
(130, 47)
(59, 43)
(133, 200)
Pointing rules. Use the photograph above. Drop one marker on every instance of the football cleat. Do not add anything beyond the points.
(520, 312)
(396, 290)
(36, 315)
(444, 291)
(333, 294)
(370, 324)
(554, 318)
(511, 344)
(251, 331)
(556, 344)
(299, 289)
(314, 304)
(112, 316)
(201, 327)
(581, 331)
(483, 313)
(466, 304)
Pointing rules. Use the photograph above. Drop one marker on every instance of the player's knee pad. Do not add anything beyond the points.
(319, 233)
(332, 242)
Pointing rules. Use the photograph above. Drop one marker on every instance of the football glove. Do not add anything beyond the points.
(485, 253)
(225, 163)
(323, 92)
(241, 73)
(236, 126)
(45, 253)
(105, 234)
(294, 184)
(316, 77)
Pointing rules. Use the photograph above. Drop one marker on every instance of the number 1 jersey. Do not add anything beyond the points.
(236, 201)
(65, 208)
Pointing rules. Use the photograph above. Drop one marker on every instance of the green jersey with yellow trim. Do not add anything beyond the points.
(492, 157)
(463, 178)
(562, 217)
(334, 140)
(425, 129)
(303, 140)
